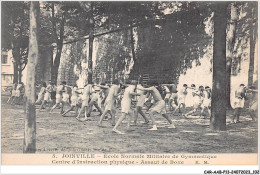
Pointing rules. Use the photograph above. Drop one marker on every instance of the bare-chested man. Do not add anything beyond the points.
(105, 90)
(159, 106)
(47, 96)
(139, 105)
(87, 91)
(181, 98)
(239, 101)
(197, 98)
(94, 102)
(59, 91)
(126, 106)
(109, 102)
(74, 100)
(206, 104)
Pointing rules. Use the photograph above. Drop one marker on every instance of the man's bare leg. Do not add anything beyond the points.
(118, 123)
(201, 112)
(113, 119)
(38, 101)
(166, 104)
(178, 108)
(80, 111)
(61, 109)
(235, 117)
(170, 105)
(209, 112)
(98, 108)
(191, 112)
(169, 120)
(90, 106)
(43, 103)
(10, 99)
(54, 107)
(139, 110)
(76, 108)
(129, 120)
(149, 107)
(14, 100)
(86, 113)
(135, 116)
(102, 117)
(70, 109)
(154, 128)
(252, 114)
(238, 115)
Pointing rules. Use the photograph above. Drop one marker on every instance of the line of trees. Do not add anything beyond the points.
(51, 24)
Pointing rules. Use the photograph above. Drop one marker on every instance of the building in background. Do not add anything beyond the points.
(7, 69)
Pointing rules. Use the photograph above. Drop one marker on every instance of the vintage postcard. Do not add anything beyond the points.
(129, 83)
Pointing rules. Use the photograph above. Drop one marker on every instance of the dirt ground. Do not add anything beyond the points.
(57, 134)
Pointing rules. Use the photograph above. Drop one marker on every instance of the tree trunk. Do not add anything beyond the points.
(252, 51)
(14, 53)
(15, 63)
(59, 42)
(20, 74)
(90, 63)
(91, 40)
(132, 42)
(55, 65)
(30, 116)
(218, 111)
(231, 37)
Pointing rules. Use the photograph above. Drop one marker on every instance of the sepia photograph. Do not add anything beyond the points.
(129, 82)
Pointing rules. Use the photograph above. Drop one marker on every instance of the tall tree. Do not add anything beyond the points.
(91, 40)
(231, 37)
(89, 24)
(59, 38)
(30, 116)
(252, 40)
(218, 111)
(15, 18)
(132, 42)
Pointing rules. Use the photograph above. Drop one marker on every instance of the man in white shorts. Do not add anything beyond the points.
(206, 103)
(65, 97)
(172, 102)
(167, 96)
(59, 91)
(74, 100)
(139, 104)
(181, 98)
(239, 101)
(197, 96)
(126, 106)
(159, 106)
(94, 102)
(149, 98)
(110, 102)
(13, 93)
(104, 91)
(18, 90)
(47, 96)
(87, 91)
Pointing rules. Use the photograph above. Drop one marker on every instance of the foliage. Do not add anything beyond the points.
(247, 12)
(172, 40)
(15, 19)
(172, 33)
